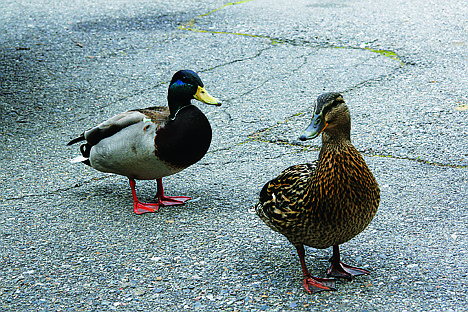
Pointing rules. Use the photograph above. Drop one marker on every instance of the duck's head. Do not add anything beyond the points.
(331, 116)
(185, 86)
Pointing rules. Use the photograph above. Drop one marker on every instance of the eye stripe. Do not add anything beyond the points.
(329, 107)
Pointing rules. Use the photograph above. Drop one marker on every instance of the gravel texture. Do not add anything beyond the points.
(69, 240)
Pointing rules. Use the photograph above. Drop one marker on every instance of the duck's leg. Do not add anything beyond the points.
(168, 200)
(339, 269)
(313, 284)
(139, 207)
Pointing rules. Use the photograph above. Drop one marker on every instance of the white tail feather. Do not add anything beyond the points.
(78, 159)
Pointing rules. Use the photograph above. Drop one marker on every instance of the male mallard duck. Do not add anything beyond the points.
(154, 142)
(325, 203)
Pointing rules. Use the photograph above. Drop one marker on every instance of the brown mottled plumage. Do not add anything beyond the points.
(325, 203)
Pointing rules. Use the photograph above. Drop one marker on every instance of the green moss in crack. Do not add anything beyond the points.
(387, 53)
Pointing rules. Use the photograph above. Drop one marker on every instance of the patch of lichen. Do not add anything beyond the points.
(189, 25)
(387, 53)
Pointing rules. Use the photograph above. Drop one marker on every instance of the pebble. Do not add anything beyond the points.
(158, 290)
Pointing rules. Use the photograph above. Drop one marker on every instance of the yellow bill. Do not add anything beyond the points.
(203, 96)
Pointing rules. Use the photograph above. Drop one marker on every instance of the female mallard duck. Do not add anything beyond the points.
(154, 142)
(325, 203)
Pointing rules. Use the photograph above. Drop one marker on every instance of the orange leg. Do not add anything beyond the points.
(313, 284)
(339, 269)
(164, 200)
(139, 207)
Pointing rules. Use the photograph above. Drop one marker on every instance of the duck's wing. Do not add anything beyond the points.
(113, 125)
(284, 198)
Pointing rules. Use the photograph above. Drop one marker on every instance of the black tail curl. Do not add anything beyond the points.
(85, 149)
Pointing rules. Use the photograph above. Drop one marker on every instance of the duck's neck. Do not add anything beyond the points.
(175, 104)
(336, 139)
(334, 147)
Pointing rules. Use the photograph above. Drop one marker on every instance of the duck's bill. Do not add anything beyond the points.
(203, 96)
(314, 129)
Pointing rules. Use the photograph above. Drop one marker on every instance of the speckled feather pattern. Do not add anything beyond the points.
(322, 204)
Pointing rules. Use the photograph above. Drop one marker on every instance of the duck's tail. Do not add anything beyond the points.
(78, 159)
(84, 149)
(78, 139)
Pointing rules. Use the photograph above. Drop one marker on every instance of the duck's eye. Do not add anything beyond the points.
(317, 121)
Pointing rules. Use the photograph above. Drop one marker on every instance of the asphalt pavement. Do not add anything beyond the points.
(69, 240)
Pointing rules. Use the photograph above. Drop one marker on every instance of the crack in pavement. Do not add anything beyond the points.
(378, 78)
(260, 136)
(261, 84)
(306, 148)
(190, 26)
